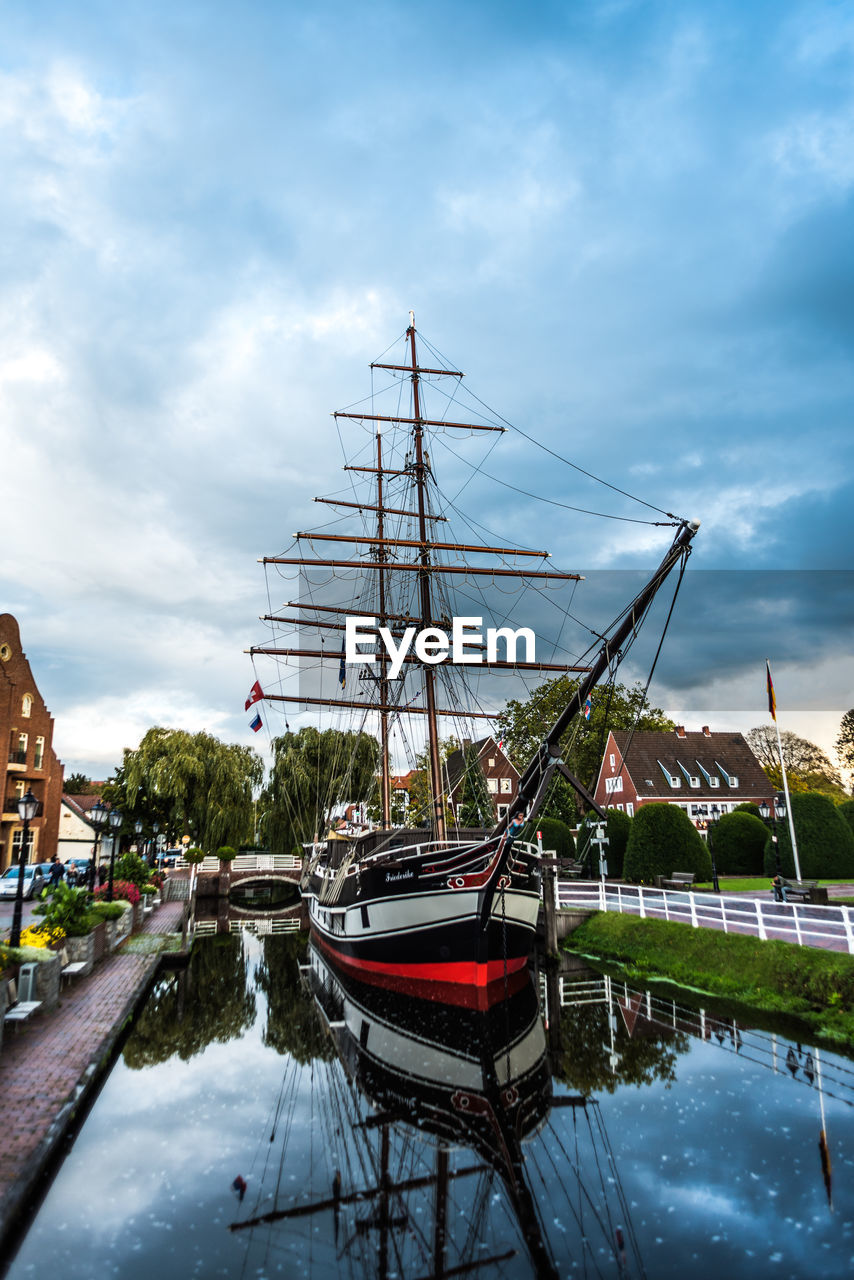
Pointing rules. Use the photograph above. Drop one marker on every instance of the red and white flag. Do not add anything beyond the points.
(256, 693)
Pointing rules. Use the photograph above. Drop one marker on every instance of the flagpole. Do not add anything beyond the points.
(772, 707)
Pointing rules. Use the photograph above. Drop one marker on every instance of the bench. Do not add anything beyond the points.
(21, 1009)
(806, 891)
(70, 969)
(679, 880)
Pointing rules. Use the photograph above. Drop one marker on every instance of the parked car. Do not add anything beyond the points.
(33, 881)
(169, 857)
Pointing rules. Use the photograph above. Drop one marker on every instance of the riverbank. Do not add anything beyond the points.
(815, 986)
(52, 1066)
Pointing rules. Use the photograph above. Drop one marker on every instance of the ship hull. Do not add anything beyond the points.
(455, 927)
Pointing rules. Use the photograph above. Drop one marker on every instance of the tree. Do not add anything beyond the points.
(195, 781)
(557, 836)
(77, 784)
(739, 843)
(420, 811)
(523, 725)
(847, 811)
(663, 839)
(807, 767)
(313, 772)
(825, 840)
(845, 741)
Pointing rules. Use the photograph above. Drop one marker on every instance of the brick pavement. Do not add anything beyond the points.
(49, 1064)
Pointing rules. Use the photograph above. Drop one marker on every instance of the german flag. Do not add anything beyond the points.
(772, 701)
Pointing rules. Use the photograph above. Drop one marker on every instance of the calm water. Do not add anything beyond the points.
(373, 1136)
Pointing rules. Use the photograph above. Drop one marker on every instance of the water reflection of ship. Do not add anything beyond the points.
(457, 1105)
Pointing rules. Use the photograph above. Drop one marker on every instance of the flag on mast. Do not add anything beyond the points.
(342, 669)
(772, 701)
(255, 724)
(256, 693)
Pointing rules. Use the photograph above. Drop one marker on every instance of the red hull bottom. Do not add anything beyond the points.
(463, 983)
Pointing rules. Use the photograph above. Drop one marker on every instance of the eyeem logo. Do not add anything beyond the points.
(433, 645)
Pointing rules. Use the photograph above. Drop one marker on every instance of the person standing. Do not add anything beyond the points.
(57, 871)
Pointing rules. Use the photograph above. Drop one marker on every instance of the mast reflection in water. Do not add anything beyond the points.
(266, 1119)
(453, 1096)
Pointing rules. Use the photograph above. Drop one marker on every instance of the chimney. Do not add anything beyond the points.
(706, 731)
(680, 731)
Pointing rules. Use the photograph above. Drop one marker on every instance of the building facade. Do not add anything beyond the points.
(28, 759)
(706, 774)
(502, 777)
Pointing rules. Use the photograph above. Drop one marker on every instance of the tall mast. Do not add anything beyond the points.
(385, 788)
(424, 587)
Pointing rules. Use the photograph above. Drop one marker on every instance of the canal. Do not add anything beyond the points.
(264, 1119)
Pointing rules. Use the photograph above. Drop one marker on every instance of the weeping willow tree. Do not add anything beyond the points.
(204, 786)
(314, 772)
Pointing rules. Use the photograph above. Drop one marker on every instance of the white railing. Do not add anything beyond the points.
(831, 927)
(260, 926)
(248, 862)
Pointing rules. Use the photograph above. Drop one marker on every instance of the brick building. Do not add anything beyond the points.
(28, 759)
(707, 774)
(502, 777)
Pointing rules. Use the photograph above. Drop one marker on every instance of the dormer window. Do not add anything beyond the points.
(693, 780)
(730, 779)
(673, 781)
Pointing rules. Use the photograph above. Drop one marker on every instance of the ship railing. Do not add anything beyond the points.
(249, 862)
(806, 924)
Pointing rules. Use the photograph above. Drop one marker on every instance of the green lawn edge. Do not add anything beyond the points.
(815, 987)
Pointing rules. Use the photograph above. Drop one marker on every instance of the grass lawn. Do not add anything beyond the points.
(815, 986)
(733, 884)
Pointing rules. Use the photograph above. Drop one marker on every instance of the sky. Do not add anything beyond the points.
(629, 223)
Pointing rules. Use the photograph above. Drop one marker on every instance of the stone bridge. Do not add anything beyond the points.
(216, 879)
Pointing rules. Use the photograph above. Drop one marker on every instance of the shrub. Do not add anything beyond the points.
(133, 869)
(556, 835)
(617, 828)
(739, 843)
(747, 806)
(66, 908)
(847, 811)
(825, 840)
(226, 853)
(194, 855)
(662, 840)
(107, 910)
(121, 889)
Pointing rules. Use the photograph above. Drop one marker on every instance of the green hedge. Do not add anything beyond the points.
(617, 828)
(556, 835)
(663, 839)
(825, 840)
(739, 844)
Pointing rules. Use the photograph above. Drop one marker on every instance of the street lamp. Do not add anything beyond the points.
(155, 828)
(712, 824)
(115, 823)
(98, 817)
(774, 809)
(27, 807)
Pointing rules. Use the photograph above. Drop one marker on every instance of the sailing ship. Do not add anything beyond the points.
(447, 912)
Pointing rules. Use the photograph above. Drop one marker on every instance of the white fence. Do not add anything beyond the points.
(249, 862)
(831, 927)
(260, 926)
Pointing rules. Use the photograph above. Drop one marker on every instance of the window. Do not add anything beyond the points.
(492, 762)
(27, 706)
(17, 841)
(672, 779)
(38, 757)
(630, 810)
(613, 784)
(18, 748)
(506, 786)
(503, 810)
(492, 783)
(612, 760)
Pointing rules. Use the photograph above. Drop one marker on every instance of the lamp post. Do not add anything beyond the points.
(115, 823)
(712, 824)
(98, 815)
(774, 809)
(27, 807)
(152, 857)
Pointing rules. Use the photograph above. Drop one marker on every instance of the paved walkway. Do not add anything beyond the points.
(50, 1063)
